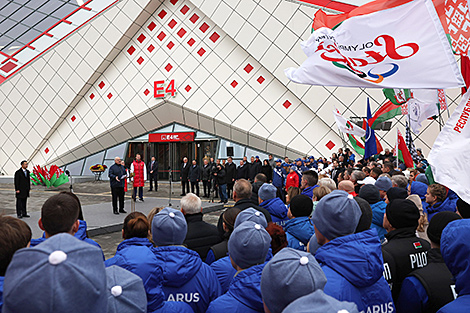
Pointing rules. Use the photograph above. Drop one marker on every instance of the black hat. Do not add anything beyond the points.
(301, 205)
(396, 193)
(402, 213)
(370, 193)
(438, 223)
(366, 218)
(463, 208)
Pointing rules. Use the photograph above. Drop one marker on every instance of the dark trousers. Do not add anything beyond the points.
(153, 178)
(194, 185)
(184, 187)
(21, 206)
(229, 189)
(207, 187)
(141, 193)
(118, 193)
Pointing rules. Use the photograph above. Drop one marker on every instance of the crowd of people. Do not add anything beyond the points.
(315, 235)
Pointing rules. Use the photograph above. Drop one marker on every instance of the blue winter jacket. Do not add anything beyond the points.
(353, 267)
(244, 294)
(378, 211)
(277, 209)
(448, 204)
(309, 191)
(1, 292)
(279, 177)
(80, 234)
(299, 230)
(455, 249)
(225, 272)
(186, 278)
(136, 256)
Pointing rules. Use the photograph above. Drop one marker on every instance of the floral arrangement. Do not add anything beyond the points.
(98, 168)
(53, 177)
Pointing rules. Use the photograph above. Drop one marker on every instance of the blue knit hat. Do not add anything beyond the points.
(169, 227)
(249, 244)
(336, 214)
(319, 302)
(422, 178)
(383, 183)
(301, 275)
(62, 272)
(267, 192)
(126, 292)
(253, 215)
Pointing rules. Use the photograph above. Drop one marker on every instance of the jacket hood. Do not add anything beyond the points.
(275, 207)
(134, 242)
(300, 228)
(455, 249)
(179, 264)
(420, 189)
(246, 287)
(356, 257)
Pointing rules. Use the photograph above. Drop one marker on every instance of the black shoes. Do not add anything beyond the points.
(19, 216)
(141, 200)
(151, 190)
(26, 215)
(122, 211)
(116, 212)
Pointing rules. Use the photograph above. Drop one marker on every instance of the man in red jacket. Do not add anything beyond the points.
(140, 176)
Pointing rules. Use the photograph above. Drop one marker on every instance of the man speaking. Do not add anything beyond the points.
(22, 188)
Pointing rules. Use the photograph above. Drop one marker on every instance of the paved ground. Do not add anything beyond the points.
(109, 242)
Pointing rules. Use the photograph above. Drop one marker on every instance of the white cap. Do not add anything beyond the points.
(367, 181)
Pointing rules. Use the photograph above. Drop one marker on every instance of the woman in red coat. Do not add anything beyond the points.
(292, 179)
(140, 176)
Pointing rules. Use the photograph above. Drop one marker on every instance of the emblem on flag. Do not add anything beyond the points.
(417, 245)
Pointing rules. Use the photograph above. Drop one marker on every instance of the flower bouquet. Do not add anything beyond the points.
(53, 177)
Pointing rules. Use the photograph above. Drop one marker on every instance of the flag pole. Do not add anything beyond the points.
(396, 146)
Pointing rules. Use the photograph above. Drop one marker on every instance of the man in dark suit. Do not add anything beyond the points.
(22, 188)
(153, 173)
(231, 172)
(194, 176)
(184, 176)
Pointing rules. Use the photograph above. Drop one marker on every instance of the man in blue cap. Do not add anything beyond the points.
(352, 262)
(267, 199)
(279, 175)
(300, 168)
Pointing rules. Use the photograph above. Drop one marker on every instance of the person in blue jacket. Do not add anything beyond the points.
(279, 175)
(309, 182)
(352, 263)
(430, 288)
(301, 275)
(299, 229)
(247, 247)
(455, 249)
(15, 234)
(185, 277)
(268, 200)
(223, 267)
(438, 200)
(51, 218)
(135, 255)
(420, 189)
(371, 194)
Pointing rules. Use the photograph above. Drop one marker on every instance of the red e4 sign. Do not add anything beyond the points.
(161, 88)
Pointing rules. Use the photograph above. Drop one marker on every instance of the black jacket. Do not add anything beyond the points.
(254, 169)
(201, 236)
(116, 171)
(206, 172)
(244, 204)
(184, 174)
(254, 191)
(268, 171)
(221, 177)
(153, 168)
(403, 253)
(242, 171)
(231, 172)
(194, 173)
(22, 183)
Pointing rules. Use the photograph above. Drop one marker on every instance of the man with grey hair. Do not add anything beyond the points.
(357, 176)
(201, 236)
(327, 182)
(117, 177)
(399, 181)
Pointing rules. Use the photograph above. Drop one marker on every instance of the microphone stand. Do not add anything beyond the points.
(169, 177)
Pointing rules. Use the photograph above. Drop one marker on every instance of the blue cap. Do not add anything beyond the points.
(279, 160)
(320, 302)
(256, 157)
(298, 159)
(169, 227)
(422, 178)
(126, 292)
(301, 275)
(253, 215)
(383, 183)
(311, 158)
(62, 272)
(267, 192)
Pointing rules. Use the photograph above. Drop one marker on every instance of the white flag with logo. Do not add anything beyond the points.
(419, 111)
(383, 49)
(346, 126)
(449, 154)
